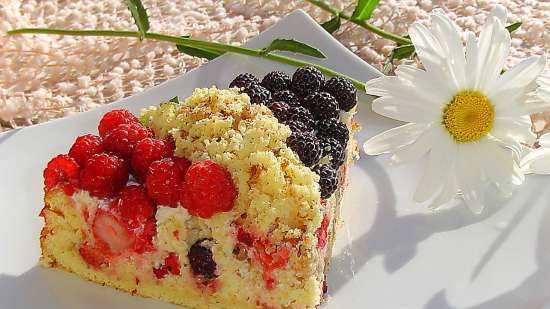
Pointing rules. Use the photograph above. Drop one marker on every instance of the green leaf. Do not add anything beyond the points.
(513, 26)
(292, 46)
(199, 52)
(175, 99)
(140, 16)
(403, 51)
(363, 10)
(333, 24)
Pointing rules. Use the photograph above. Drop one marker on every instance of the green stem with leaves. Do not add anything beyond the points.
(381, 32)
(191, 43)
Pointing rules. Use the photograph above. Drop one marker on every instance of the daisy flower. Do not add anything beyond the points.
(463, 115)
(538, 161)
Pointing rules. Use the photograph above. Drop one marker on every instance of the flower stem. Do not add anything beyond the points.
(381, 32)
(191, 43)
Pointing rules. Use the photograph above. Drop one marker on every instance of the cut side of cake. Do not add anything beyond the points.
(216, 202)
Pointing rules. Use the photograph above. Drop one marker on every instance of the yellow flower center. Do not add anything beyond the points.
(469, 116)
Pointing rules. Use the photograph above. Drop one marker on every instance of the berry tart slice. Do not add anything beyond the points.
(216, 202)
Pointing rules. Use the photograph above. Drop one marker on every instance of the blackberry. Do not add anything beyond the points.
(286, 96)
(328, 180)
(331, 147)
(322, 105)
(343, 90)
(201, 259)
(244, 80)
(298, 126)
(306, 146)
(280, 110)
(258, 94)
(307, 80)
(301, 114)
(333, 128)
(276, 81)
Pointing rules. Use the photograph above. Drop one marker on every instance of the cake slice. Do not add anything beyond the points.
(215, 202)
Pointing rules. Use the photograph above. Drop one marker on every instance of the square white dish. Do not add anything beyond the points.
(390, 253)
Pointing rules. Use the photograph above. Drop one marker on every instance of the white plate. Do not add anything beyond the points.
(391, 253)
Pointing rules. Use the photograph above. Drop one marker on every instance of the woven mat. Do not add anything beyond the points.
(44, 77)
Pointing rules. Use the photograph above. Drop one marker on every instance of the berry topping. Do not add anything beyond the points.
(146, 151)
(280, 110)
(307, 80)
(104, 175)
(123, 138)
(171, 265)
(244, 80)
(306, 146)
(344, 92)
(328, 180)
(333, 128)
(201, 259)
(144, 236)
(111, 233)
(113, 118)
(331, 147)
(135, 206)
(322, 233)
(209, 189)
(182, 163)
(298, 126)
(92, 255)
(85, 147)
(286, 96)
(301, 114)
(322, 105)
(61, 170)
(164, 182)
(258, 94)
(276, 81)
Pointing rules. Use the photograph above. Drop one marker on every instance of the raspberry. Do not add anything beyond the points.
(333, 128)
(302, 115)
(144, 236)
(61, 170)
(307, 80)
(244, 80)
(92, 255)
(286, 96)
(271, 256)
(182, 163)
(122, 139)
(134, 205)
(258, 94)
(322, 233)
(322, 105)
(201, 259)
(276, 81)
(164, 182)
(104, 175)
(298, 126)
(113, 118)
(280, 110)
(328, 180)
(208, 189)
(111, 233)
(331, 147)
(86, 146)
(146, 151)
(344, 92)
(171, 265)
(306, 146)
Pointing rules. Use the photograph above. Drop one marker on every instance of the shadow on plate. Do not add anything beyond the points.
(394, 237)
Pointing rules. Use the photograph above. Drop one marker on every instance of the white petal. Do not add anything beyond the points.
(392, 139)
(518, 129)
(448, 36)
(415, 151)
(500, 12)
(493, 48)
(472, 55)
(448, 191)
(438, 91)
(500, 167)
(544, 140)
(470, 178)
(409, 90)
(405, 110)
(518, 77)
(439, 159)
(537, 161)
